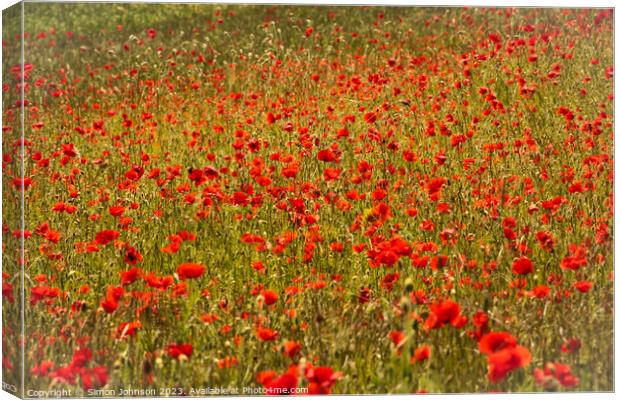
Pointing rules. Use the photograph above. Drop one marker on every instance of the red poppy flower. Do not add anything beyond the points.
(111, 301)
(338, 247)
(285, 384)
(270, 297)
(444, 312)
(573, 263)
(540, 291)
(266, 334)
(321, 379)
(116, 211)
(106, 236)
(504, 361)
(583, 286)
(187, 236)
(22, 183)
(190, 271)
(128, 329)
(398, 338)
(326, 155)
(370, 117)
(40, 293)
(291, 348)
(130, 276)
(421, 354)
(571, 345)
(132, 256)
(177, 350)
(159, 282)
(290, 171)
(522, 266)
(555, 373)
(331, 174)
(495, 341)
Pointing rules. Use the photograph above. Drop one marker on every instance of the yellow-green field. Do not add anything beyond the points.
(300, 199)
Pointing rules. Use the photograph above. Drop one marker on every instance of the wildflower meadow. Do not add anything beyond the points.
(290, 199)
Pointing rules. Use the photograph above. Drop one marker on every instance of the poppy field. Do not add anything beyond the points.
(306, 199)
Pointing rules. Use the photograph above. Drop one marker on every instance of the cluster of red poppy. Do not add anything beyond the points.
(93, 377)
(503, 354)
(554, 374)
(320, 380)
(195, 208)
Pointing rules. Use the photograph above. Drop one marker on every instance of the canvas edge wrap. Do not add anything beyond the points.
(13, 222)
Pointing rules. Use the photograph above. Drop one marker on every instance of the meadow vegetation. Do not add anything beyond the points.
(344, 199)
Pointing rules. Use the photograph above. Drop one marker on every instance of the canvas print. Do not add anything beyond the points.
(227, 199)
